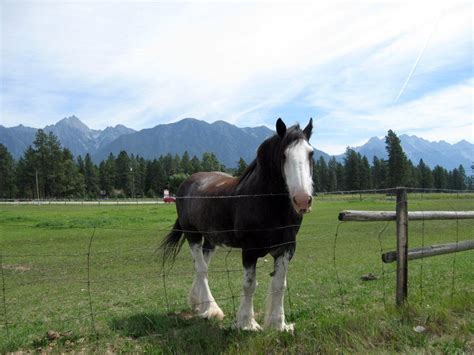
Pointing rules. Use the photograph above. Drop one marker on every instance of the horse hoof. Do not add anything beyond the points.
(281, 326)
(213, 312)
(289, 328)
(253, 326)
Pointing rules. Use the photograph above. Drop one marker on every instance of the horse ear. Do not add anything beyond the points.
(309, 128)
(281, 127)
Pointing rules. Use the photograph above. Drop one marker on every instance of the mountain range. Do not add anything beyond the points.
(71, 131)
(441, 153)
(227, 141)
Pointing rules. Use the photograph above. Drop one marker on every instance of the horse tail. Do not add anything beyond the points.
(172, 244)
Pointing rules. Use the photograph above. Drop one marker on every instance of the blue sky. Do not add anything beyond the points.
(358, 69)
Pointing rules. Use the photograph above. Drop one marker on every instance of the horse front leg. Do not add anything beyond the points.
(275, 313)
(200, 296)
(245, 315)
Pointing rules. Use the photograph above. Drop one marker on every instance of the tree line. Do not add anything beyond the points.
(356, 173)
(47, 170)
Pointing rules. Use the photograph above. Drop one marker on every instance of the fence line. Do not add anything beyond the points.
(155, 201)
(4, 300)
(402, 216)
(89, 281)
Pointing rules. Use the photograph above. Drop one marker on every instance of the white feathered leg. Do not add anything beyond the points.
(246, 316)
(200, 297)
(275, 313)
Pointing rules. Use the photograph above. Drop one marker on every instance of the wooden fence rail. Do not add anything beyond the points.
(365, 216)
(402, 254)
(433, 250)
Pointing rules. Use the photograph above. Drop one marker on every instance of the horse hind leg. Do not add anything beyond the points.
(200, 296)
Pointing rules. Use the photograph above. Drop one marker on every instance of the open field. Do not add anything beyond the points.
(92, 274)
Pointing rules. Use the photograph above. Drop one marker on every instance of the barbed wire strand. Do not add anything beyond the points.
(4, 298)
(335, 264)
(453, 270)
(89, 293)
(229, 283)
(159, 201)
(379, 237)
(422, 258)
(453, 277)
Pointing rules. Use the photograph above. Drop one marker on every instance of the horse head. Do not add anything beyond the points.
(296, 162)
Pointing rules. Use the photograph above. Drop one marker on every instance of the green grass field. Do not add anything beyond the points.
(44, 256)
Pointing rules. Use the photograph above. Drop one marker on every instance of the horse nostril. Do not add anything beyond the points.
(310, 200)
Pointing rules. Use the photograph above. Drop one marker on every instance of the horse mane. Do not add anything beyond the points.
(274, 144)
(248, 171)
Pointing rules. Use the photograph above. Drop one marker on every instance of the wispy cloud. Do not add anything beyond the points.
(141, 64)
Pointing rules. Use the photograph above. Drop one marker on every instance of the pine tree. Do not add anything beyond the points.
(91, 177)
(167, 164)
(156, 179)
(321, 172)
(122, 173)
(341, 178)
(397, 161)
(73, 184)
(365, 175)
(176, 165)
(440, 177)
(425, 176)
(26, 175)
(186, 166)
(140, 176)
(413, 177)
(132, 177)
(241, 166)
(209, 162)
(351, 170)
(46, 161)
(57, 171)
(458, 178)
(379, 172)
(195, 165)
(8, 187)
(462, 177)
(107, 175)
(333, 184)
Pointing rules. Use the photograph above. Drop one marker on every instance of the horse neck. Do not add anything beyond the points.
(262, 181)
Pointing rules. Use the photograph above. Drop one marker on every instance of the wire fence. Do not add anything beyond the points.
(98, 273)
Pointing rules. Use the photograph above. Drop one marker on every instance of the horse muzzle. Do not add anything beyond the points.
(302, 202)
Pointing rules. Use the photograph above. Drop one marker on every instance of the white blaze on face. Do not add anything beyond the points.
(297, 170)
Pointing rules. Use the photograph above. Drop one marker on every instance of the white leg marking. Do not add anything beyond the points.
(200, 297)
(246, 316)
(275, 313)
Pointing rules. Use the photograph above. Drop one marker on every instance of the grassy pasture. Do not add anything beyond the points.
(45, 271)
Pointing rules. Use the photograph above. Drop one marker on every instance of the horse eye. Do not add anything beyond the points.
(311, 154)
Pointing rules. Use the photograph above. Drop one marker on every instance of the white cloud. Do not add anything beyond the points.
(146, 63)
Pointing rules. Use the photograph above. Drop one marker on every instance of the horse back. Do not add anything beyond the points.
(202, 201)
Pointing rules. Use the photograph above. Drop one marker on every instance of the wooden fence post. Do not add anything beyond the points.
(402, 246)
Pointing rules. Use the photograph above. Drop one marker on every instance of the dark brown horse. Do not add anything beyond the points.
(259, 212)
